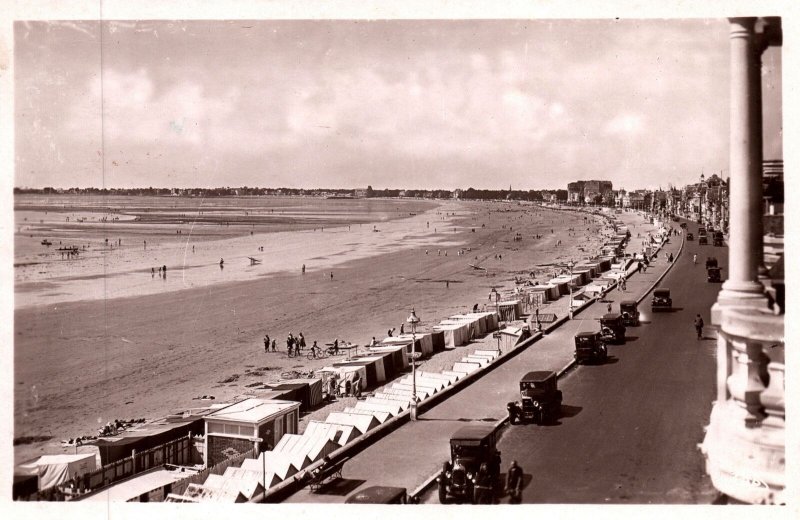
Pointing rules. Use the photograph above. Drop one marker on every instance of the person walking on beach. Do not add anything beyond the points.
(302, 343)
(331, 275)
(152, 272)
(698, 326)
(274, 346)
(290, 345)
(336, 346)
(303, 270)
(266, 343)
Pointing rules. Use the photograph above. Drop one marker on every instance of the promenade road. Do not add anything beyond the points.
(408, 456)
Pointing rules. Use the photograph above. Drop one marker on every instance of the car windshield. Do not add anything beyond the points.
(462, 451)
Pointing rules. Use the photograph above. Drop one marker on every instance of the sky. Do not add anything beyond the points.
(393, 104)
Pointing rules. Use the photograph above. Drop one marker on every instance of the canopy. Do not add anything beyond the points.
(57, 469)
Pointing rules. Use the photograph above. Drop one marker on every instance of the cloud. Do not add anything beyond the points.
(627, 124)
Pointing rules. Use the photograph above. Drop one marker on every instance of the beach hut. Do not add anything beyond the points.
(449, 379)
(310, 395)
(249, 487)
(304, 450)
(373, 367)
(380, 415)
(510, 310)
(198, 493)
(437, 340)
(398, 353)
(361, 422)
(271, 462)
(466, 367)
(455, 334)
(341, 434)
(265, 478)
(248, 421)
(403, 402)
(392, 409)
(149, 435)
(490, 353)
(480, 360)
(53, 470)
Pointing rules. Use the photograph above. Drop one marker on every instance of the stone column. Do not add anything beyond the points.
(742, 289)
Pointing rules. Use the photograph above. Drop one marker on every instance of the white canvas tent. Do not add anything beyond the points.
(57, 469)
(384, 405)
(340, 434)
(361, 422)
(381, 416)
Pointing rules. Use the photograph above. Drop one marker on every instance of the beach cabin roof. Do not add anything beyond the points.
(254, 410)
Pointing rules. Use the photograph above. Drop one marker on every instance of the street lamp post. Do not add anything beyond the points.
(413, 320)
(496, 302)
(570, 265)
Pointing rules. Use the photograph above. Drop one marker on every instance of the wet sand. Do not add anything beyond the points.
(80, 364)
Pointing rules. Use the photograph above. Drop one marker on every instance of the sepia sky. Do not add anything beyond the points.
(416, 104)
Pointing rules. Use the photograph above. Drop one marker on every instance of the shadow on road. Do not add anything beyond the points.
(340, 486)
(630, 338)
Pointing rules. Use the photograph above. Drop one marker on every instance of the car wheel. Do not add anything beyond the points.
(442, 493)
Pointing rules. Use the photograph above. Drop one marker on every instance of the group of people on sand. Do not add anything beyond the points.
(162, 271)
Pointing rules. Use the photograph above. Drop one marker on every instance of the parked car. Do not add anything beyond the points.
(711, 261)
(539, 398)
(661, 300)
(379, 495)
(683, 225)
(702, 240)
(471, 447)
(714, 274)
(630, 312)
(719, 239)
(590, 347)
(689, 236)
(612, 328)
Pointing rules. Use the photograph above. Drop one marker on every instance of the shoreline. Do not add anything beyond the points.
(146, 355)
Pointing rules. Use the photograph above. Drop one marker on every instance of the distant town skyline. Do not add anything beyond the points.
(435, 104)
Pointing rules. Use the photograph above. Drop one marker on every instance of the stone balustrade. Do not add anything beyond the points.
(745, 439)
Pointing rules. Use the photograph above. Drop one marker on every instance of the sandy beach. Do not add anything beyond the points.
(80, 362)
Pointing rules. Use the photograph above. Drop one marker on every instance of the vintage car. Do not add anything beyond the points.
(630, 313)
(702, 240)
(539, 398)
(711, 262)
(701, 230)
(379, 495)
(714, 274)
(719, 239)
(470, 447)
(612, 328)
(661, 300)
(683, 225)
(590, 347)
(689, 236)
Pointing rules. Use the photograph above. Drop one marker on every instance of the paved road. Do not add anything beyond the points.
(416, 451)
(629, 428)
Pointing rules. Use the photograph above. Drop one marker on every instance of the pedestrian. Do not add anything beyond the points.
(694, 259)
(514, 480)
(336, 346)
(164, 268)
(331, 275)
(402, 328)
(274, 345)
(301, 344)
(266, 343)
(303, 270)
(290, 345)
(390, 332)
(374, 342)
(609, 308)
(152, 272)
(698, 326)
(331, 387)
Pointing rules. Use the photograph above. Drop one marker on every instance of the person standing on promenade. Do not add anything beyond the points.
(402, 327)
(698, 326)
(514, 479)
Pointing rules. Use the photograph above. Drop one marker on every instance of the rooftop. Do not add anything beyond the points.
(253, 410)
